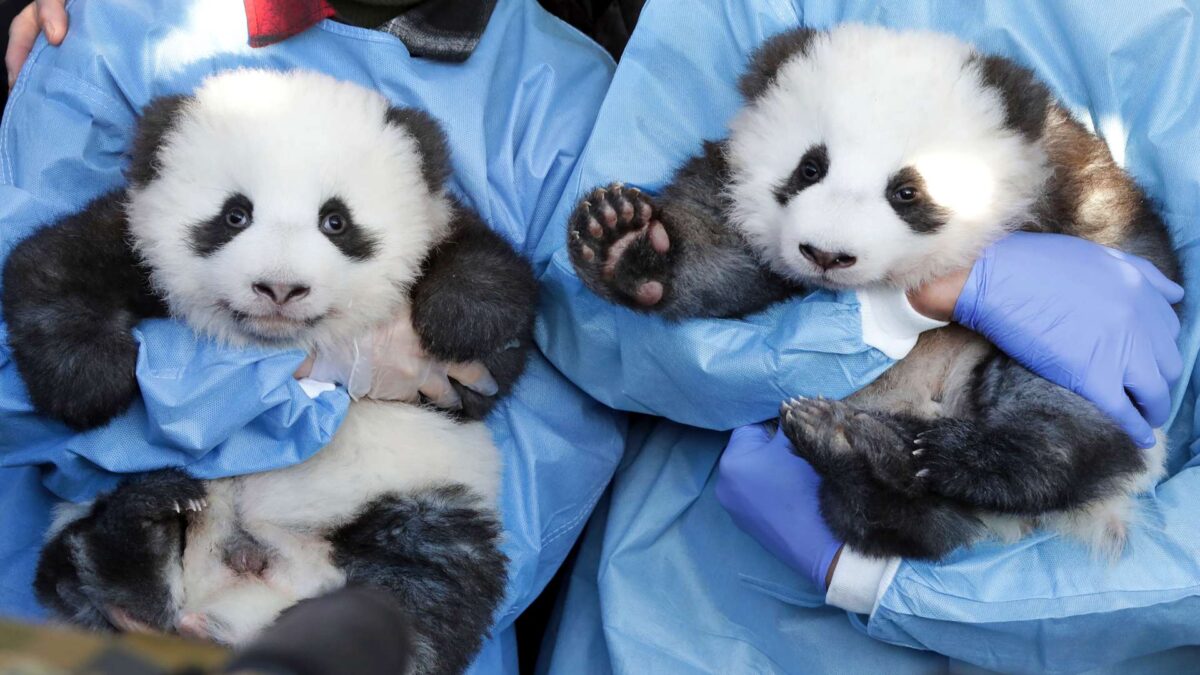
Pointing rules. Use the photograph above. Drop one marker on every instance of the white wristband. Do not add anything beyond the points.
(859, 582)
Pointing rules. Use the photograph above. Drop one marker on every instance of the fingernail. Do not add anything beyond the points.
(53, 32)
(486, 385)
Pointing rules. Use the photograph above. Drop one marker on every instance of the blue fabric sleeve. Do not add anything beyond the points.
(675, 88)
(214, 410)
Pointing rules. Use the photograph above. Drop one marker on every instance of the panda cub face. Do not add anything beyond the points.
(285, 209)
(867, 156)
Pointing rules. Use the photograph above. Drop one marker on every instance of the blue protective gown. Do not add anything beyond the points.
(517, 114)
(665, 582)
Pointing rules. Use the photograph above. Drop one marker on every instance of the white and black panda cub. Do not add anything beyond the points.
(295, 210)
(869, 157)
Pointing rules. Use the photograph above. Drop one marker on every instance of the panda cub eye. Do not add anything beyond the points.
(810, 169)
(333, 223)
(906, 194)
(237, 217)
(813, 166)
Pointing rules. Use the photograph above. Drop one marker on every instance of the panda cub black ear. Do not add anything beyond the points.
(158, 118)
(1026, 100)
(766, 61)
(431, 141)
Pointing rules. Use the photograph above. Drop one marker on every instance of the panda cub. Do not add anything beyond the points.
(290, 210)
(866, 157)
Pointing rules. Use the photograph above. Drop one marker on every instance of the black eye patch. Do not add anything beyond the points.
(908, 197)
(337, 224)
(813, 166)
(207, 237)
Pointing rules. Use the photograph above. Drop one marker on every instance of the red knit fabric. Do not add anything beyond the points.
(271, 21)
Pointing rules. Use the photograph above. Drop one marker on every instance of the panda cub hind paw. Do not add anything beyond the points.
(166, 493)
(620, 247)
(820, 429)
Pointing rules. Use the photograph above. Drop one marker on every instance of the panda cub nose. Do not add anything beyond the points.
(280, 294)
(826, 260)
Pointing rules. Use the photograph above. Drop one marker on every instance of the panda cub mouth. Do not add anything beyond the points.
(272, 327)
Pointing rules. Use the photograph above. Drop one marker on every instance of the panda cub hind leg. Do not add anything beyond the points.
(118, 566)
(854, 450)
(437, 550)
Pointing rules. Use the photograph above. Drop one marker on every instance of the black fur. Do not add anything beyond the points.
(353, 241)
(1026, 100)
(72, 294)
(922, 214)
(476, 302)
(895, 484)
(813, 166)
(119, 556)
(157, 119)
(708, 270)
(431, 141)
(438, 552)
(208, 237)
(766, 61)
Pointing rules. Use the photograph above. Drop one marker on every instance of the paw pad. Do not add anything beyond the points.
(619, 246)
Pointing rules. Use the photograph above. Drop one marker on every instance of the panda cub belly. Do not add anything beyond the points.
(262, 543)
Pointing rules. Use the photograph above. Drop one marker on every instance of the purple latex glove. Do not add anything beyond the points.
(772, 495)
(1086, 317)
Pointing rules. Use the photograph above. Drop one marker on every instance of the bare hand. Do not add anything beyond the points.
(389, 364)
(43, 16)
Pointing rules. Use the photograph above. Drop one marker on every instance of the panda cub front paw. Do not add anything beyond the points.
(620, 247)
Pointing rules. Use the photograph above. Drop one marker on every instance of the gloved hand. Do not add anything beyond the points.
(389, 364)
(1089, 318)
(772, 495)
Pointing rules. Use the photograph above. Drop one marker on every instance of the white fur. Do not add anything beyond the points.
(380, 448)
(289, 142)
(880, 101)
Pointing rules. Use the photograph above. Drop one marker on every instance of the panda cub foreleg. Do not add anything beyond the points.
(675, 255)
(476, 301)
(72, 293)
